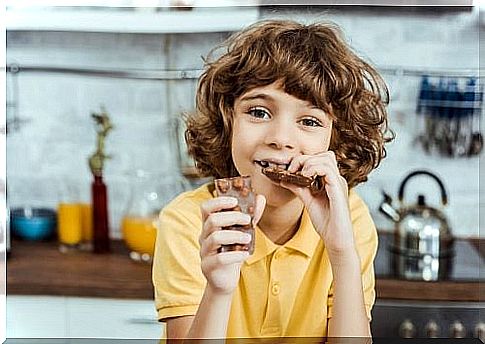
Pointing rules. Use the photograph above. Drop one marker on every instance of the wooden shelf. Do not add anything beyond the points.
(429, 291)
(38, 268)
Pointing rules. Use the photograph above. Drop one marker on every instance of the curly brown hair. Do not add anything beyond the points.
(314, 64)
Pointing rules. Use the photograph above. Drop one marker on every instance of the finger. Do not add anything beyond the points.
(335, 185)
(260, 204)
(216, 221)
(223, 237)
(225, 258)
(314, 163)
(297, 163)
(327, 159)
(324, 169)
(345, 185)
(217, 204)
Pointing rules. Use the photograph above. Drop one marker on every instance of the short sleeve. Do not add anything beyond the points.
(365, 236)
(176, 273)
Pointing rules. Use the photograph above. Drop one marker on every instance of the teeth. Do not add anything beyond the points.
(282, 167)
(273, 165)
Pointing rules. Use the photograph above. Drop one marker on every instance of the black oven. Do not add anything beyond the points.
(393, 318)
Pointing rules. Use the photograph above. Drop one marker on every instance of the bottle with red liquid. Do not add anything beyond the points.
(101, 242)
(100, 216)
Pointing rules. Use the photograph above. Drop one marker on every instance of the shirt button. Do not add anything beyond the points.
(275, 289)
(277, 255)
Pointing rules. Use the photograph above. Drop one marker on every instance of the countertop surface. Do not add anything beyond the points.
(38, 268)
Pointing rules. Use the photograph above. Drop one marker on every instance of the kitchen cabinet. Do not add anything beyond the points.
(31, 316)
(36, 316)
(444, 319)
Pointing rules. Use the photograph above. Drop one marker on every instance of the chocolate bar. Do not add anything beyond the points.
(278, 174)
(240, 188)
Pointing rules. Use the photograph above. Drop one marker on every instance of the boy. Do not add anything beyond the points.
(296, 97)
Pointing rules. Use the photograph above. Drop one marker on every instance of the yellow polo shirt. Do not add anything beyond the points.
(284, 290)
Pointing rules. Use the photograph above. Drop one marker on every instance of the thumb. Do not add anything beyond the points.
(260, 204)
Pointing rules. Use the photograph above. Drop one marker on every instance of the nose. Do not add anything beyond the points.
(282, 134)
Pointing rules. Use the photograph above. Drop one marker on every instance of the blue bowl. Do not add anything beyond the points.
(33, 223)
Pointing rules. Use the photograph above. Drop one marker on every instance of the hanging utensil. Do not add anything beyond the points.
(474, 95)
(442, 140)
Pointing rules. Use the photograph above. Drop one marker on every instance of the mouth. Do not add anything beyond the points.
(269, 163)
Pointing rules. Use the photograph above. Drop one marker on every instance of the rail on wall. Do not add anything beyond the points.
(147, 74)
(142, 74)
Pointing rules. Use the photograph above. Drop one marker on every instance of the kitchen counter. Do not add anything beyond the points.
(38, 268)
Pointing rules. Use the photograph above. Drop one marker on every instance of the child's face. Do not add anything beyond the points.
(273, 126)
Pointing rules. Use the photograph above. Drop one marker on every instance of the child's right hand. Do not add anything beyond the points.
(222, 269)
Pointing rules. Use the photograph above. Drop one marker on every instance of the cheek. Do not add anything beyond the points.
(328, 136)
(239, 145)
(243, 135)
(320, 143)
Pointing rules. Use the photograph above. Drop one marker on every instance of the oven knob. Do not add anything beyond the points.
(407, 329)
(432, 329)
(480, 331)
(457, 330)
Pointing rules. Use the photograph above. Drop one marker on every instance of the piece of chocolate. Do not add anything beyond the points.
(238, 183)
(240, 188)
(222, 185)
(278, 174)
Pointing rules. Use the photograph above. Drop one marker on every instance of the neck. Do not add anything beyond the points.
(280, 223)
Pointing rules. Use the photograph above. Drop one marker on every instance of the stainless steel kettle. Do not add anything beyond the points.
(423, 243)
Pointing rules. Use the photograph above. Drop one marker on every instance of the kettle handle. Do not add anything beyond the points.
(444, 197)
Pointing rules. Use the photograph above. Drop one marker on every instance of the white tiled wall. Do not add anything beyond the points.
(57, 136)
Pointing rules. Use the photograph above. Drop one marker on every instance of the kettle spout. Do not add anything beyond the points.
(387, 209)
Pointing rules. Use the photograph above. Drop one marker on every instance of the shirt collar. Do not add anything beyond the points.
(262, 247)
(306, 238)
(305, 241)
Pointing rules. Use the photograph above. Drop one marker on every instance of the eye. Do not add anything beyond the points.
(311, 122)
(258, 113)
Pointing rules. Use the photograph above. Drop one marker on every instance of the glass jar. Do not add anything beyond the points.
(150, 192)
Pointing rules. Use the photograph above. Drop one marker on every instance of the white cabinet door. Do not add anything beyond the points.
(77, 317)
(36, 317)
(112, 318)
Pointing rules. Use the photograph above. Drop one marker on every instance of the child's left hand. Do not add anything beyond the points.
(328, 210)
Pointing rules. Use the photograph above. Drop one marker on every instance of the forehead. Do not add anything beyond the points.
(274, 92)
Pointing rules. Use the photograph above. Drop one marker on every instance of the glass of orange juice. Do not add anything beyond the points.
(139, 234)
(150, 191)
(86, 226)
(69, 218)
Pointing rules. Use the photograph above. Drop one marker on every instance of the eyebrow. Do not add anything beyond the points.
(263, 96)
(267, 97)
